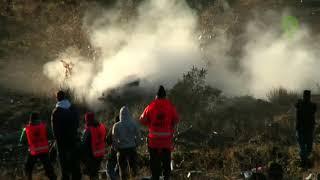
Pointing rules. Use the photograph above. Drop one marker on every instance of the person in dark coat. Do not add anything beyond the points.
(40, 152)
(65, 124)
(305, 124)
(112, 170)
(92, 156)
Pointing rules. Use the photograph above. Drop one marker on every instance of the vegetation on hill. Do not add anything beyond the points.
(219, 136)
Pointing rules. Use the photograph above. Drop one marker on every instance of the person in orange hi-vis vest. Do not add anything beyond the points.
(36, 135)
(161, 117)
(93, 145)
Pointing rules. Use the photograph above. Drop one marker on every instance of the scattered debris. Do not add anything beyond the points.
(68, 68)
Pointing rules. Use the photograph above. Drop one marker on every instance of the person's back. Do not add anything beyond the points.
(36, 134)
(305, 115)
(93, 145)
(305, 124)
(125, 139)
(160, 117)
(125, 132)
(65, 123)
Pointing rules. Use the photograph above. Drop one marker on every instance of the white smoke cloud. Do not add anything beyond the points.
(157, 47)
(269, 58)
(79, 79)
(273, 59)
(161, 44)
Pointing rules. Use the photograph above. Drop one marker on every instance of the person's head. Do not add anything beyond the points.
(34, 117)
(60, 95)
(258, 176)
(275, 171)
(161, 93)
(89, 118)
(124, 114)
(306, 95)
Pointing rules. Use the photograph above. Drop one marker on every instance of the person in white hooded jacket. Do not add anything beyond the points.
(125, 139)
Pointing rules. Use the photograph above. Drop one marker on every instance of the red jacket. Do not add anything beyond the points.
(98, 137)
(37, 136)
(160, 116)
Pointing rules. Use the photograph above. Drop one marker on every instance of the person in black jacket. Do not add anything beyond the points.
(305, 124)
(65, 124)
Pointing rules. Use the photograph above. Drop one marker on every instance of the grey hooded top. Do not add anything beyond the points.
(125, 133)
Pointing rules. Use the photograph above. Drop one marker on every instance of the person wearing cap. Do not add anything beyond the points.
(305, 124)
(65, 124)
(112, 169)
(93, 144)
(36, 135)
(161, 117)
(125, 139)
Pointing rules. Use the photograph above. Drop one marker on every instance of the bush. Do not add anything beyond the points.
(194, 99)
(282, 97)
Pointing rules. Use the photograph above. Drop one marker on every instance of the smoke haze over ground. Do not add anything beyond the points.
(162, 42)
(156, 47)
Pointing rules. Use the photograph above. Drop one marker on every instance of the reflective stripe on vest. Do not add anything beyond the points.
(155, 133)
(39, 148)
(97, 152)
(37, 139)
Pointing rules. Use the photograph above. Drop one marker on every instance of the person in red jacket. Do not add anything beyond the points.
(161, 117)
(93, 144)
(37, 137)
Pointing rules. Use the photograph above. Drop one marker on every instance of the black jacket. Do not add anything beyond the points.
(305, 116)
(65, 124)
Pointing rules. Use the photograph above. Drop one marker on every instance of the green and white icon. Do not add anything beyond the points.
(290, 25)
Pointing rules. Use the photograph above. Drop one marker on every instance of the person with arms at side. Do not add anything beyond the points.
(305, 124)
(161, 117)
(93, 145)
(36, 134)
(65, 124)
(125, 139)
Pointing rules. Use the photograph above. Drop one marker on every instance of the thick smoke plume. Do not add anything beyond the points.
(269, 58)
(156, 47)
(162, 43)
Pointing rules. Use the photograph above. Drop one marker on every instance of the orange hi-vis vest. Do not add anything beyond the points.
(98, 144)
(37, 136)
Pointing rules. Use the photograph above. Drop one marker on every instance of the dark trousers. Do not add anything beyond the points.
(44, 158)
(92, 166)
(305, 140)
(125, 157)
(112, 165)
(69, 162)
(160, 160)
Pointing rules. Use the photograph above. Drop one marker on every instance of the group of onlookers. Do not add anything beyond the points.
(160, 117)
